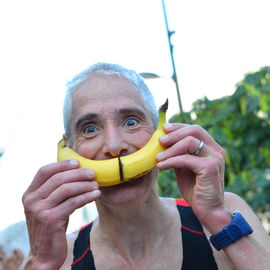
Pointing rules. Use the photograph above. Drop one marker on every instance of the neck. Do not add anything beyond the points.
(135, 228)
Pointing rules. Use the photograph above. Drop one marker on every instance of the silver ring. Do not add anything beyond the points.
(200, 147)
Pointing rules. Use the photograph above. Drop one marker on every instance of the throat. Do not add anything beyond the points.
(137, 241)
(135, 231)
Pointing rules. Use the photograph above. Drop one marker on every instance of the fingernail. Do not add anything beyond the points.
(90, 173)
(160, 155)
(74, 163)
(160, 164)
(168, 126)
(96, 192)
(164, 138)
(95, 184)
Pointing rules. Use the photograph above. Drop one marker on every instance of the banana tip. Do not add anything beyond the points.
(164, 107)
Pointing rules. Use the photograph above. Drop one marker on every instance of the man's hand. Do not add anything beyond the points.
(57, 191)
(200, 177)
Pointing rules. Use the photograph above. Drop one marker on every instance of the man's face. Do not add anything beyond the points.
(109, 118)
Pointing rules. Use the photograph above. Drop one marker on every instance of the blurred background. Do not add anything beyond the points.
(207, 47)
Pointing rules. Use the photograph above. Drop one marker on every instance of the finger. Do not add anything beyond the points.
(67, 191)
(66, 208)
(189, 130)
(47, 171)
(199, 165)
(181, 161)
(75, 175)
(184, 131)
(169, 127)
(188, 145)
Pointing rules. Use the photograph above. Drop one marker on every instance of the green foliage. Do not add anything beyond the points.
(240, 123)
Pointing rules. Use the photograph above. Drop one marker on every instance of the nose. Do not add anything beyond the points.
(114, 145)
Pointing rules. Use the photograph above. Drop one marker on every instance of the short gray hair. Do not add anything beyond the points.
(107, 69)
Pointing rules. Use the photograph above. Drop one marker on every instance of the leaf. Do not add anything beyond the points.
(264, 103)
(243, 105)
(240, 123)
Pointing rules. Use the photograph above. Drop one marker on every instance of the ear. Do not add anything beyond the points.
(66, 140)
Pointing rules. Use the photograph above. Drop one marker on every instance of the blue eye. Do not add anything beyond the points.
(131, 122)
(89, 129)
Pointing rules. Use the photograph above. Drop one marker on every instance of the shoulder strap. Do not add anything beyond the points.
(197, 252)
(82, 254)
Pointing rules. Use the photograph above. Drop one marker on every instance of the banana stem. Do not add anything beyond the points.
(164, 107)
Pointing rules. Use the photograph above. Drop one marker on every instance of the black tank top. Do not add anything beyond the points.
(197, 252)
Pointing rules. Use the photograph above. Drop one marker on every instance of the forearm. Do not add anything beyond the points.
(248, 252)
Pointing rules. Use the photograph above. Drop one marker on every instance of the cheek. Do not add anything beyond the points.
(87, 149)
(141, 139)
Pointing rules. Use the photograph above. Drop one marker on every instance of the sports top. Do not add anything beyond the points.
(197, 252)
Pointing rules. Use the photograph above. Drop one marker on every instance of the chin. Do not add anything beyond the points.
(132, 190)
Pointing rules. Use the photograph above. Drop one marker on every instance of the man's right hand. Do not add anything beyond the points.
(57, 190)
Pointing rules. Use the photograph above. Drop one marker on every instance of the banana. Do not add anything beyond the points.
(107, 171)
(121, 169)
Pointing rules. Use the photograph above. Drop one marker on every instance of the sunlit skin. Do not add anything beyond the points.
(110, 120)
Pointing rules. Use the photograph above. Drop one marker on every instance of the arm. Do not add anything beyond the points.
(69, 259)
(255, 247)
(200, 179)
(56, 192)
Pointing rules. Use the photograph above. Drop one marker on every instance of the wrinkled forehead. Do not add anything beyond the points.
(101, 87)
(106, 94)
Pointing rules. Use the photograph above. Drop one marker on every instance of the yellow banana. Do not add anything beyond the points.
(106, 171)
(121, 169)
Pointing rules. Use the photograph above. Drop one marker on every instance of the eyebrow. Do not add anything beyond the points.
(131, 111)
(85, 117)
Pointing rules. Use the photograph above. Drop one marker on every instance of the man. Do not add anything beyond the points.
(109, 112)
(10, 262)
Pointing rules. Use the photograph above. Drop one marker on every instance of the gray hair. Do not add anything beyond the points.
(107, 69)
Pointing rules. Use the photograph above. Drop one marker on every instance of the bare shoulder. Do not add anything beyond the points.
(169, 203)
(235, 203)
(70, 241)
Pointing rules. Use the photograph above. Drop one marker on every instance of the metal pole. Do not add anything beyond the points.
(174, 76)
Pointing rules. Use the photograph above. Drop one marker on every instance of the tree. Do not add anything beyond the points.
(241, 124)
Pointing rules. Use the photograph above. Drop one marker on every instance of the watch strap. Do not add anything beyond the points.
(232, 232)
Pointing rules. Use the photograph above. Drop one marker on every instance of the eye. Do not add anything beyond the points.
(89, 129)
(131, 122)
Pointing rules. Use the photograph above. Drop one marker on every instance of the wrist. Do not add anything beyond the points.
(237, 229)
(217, 220)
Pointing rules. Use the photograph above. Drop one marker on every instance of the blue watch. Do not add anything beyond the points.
(235, 230)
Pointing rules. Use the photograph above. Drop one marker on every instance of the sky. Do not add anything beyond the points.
(45, 43)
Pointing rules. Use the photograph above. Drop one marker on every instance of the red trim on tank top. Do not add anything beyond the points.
(79, 259)
(182, 202)
(196, 232)
(85, 225)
